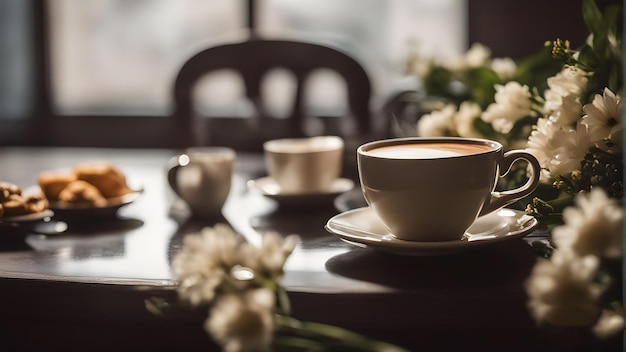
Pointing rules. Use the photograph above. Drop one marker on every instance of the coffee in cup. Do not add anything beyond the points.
(433, 189)
(202, 178)
(304, 165)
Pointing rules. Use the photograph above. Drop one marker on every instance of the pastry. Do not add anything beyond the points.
(8, 189)
(15, 205)
(52, 183)
(36, 203)
(107, 178)
(83, 193)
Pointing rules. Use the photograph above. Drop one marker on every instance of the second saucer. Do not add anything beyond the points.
(268, 187)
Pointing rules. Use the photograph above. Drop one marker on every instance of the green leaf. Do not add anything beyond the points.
(293, 335)
(588, 58)
(613, 20)
(484, 128)
(592, 16)
(615, 79)
(533, 69)
(542, 249)
(283, 300)
(156, 306)
(438, 81)
(606, 25)
(482, 83)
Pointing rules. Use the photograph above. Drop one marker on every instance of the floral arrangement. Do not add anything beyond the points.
(238, 284)
(564, 106)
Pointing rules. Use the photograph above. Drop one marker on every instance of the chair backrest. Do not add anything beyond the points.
(401, 112)
(252, 60)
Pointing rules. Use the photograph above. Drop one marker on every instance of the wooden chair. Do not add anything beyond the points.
(252, 60)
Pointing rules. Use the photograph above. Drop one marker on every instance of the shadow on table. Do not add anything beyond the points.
(306, 223)
(477, 298)
(189, 226)
(68, 228)
(496, 265)
(15, 238)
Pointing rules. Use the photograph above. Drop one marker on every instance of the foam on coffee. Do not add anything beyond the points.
(427, 150)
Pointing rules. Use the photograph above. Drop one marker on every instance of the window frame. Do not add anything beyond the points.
(46, 127)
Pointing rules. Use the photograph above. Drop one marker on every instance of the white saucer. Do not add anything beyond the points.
(27, 218)
(17, 228)
(362, 228)
(269, 188)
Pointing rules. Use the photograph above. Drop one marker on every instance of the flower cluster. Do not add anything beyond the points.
(247, 307)
(564, 106)
(485, 97)
(570, 288)
(238, 280)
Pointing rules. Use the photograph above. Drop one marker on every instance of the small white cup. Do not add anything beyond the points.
(202, 178)
(304, 165)
(433, 189)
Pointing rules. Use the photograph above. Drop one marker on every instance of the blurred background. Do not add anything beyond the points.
(86, 58)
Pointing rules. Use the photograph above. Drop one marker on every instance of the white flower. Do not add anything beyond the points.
(512, 103)
(568, 112)
(593, 227)
(568, 148)
(475, 57)
(243, 322)
(218, 266)
(604, 117)
(419, 65)
(218, 258)
(438, 123)
(203, 262)
(268, 261)
(559, 149)
(562, 98)
(505, 67)
(540, 141)
(562, 291)
(571, 81)
(609, 323)
(465, 117)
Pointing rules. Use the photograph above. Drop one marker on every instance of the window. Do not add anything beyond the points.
(100, 67)
(120, 56)
(16, 54)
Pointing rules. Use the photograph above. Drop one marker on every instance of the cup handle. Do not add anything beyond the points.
(172, 172)
(504, 198)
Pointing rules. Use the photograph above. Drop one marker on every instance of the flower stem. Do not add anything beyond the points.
(284, 305)
(295, 335)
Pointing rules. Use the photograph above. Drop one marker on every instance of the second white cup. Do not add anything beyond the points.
(202, 178)
(304, 165)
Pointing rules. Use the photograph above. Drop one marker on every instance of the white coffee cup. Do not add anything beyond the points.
(304, 165)
(433, 189)
(202, 178)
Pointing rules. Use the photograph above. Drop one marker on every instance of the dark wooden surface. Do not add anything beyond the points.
(85, 288)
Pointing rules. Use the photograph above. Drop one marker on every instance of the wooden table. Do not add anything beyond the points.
(85, 287)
